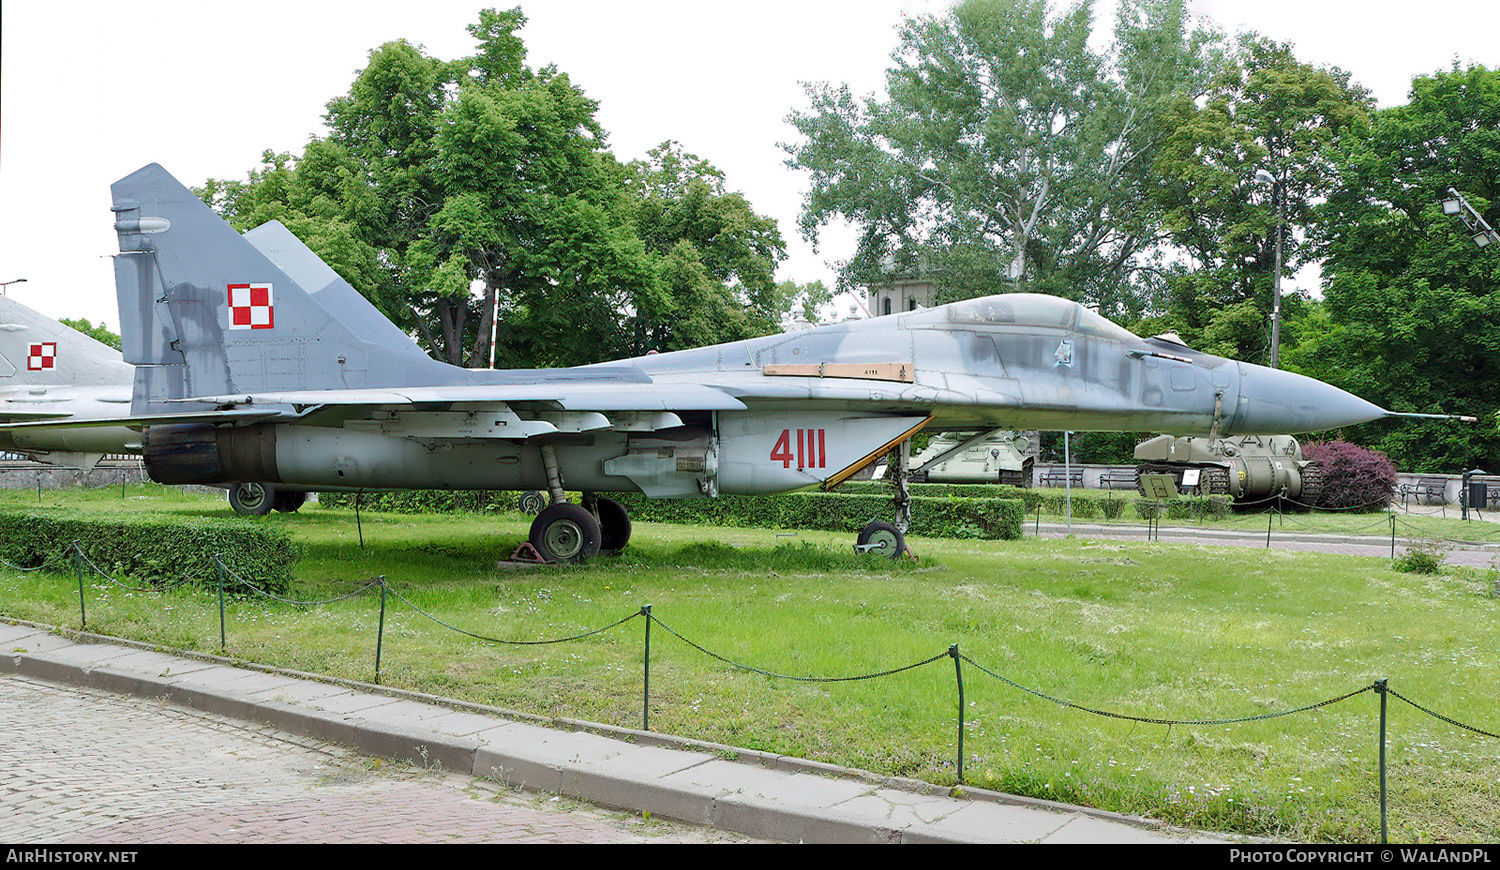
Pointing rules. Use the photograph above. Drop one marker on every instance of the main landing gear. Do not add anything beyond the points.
(565, 532)
(258, 499)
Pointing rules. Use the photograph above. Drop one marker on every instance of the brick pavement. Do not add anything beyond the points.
(84, 766)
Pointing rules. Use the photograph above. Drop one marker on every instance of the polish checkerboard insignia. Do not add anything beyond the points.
(250, 307)
(41, 356)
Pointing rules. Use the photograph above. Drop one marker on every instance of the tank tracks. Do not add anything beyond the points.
(1312, 484)
(1212, 481)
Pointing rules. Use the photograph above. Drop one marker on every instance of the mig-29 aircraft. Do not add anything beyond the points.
(65, 401)
(313, 388)
(50, 371)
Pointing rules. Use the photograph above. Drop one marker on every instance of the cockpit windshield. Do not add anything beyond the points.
(1033, 309)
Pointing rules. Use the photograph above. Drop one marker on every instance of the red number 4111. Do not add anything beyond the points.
(811, 446)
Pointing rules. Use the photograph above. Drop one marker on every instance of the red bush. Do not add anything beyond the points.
(1353, 476)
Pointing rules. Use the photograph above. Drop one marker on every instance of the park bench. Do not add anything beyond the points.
(1427, 490)
(1117, 478)
(1059, 477)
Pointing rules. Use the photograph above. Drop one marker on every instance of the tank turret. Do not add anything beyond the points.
(994, 456)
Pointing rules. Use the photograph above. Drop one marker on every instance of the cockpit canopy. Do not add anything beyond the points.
(1024, 310)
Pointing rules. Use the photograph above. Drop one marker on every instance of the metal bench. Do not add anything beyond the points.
(1427, 490)
(1057, 477)
(1118, 478)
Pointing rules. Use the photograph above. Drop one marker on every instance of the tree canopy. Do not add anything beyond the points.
(448, 190)
(1006, 154)
(1412, 318)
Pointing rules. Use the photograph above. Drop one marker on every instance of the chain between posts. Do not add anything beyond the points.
(1381, 686)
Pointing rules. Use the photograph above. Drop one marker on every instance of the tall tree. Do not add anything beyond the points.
(713, 256)
(1266, 113)
(1413, 307)
(1005, 153)
(448, 191)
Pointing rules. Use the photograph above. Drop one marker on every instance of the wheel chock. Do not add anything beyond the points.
(527, 554)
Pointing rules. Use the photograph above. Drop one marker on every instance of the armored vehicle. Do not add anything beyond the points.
(1247, 468)
(992, 456)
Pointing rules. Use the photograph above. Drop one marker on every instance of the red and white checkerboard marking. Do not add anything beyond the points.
(250, 307)
(41, 356)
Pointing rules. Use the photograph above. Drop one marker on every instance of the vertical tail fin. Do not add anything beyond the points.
(37, 351)
(204, 312)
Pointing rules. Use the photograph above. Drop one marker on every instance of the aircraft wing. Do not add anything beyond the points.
(573, 396)
(68, 421)
(11, 415)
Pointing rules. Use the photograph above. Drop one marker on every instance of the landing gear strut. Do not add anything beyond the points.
(887, 539)
(565, 532)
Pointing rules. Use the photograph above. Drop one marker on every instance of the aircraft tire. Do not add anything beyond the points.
(565, 533)
(614, 526)
(290, 502)
(886, 539)
(252, 499)
(531, 502)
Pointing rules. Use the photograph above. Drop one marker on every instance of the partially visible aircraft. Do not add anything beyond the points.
(71, 396)
(257, 364)
(49, 371)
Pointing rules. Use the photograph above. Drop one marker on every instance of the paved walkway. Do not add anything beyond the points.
(88, 766)
(143, 785)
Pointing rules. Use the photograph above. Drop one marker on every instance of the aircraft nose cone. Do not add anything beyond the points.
(1274, 402)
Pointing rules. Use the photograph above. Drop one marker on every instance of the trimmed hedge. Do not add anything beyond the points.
(936, 517)
(996, 518)
(425, 501)
(156, 550)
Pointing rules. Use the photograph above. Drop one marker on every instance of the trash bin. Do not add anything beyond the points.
(1479, 494)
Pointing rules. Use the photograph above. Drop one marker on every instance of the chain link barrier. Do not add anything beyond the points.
(650, 618)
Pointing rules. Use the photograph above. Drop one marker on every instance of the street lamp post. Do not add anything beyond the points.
(1479, 230)
(4, 284)
(1263, 175)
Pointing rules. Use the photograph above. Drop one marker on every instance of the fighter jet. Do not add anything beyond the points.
(65, 400)
(313, 388)
(49, 371)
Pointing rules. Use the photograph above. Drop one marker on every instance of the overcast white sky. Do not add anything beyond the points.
(92, 90)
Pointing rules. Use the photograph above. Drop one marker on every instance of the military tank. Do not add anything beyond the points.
(1246, 468)
(992, 456)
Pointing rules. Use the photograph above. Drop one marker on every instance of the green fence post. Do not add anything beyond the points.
(380, 631)
(958, 671)
(646, 675)
(83, 617)
(220, 563)
(1380, 688)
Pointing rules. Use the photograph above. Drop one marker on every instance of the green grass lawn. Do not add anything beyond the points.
(1152, 631)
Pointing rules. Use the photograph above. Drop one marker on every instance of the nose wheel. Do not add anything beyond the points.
(880, 539)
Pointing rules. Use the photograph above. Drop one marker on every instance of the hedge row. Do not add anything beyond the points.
(154, 550)
(946, 517)
(999, 518)
(1087, 503)
(425, 501)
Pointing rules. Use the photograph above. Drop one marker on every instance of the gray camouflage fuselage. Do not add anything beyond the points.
(342, 399)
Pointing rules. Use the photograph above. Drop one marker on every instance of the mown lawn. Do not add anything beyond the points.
(1150, 631)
